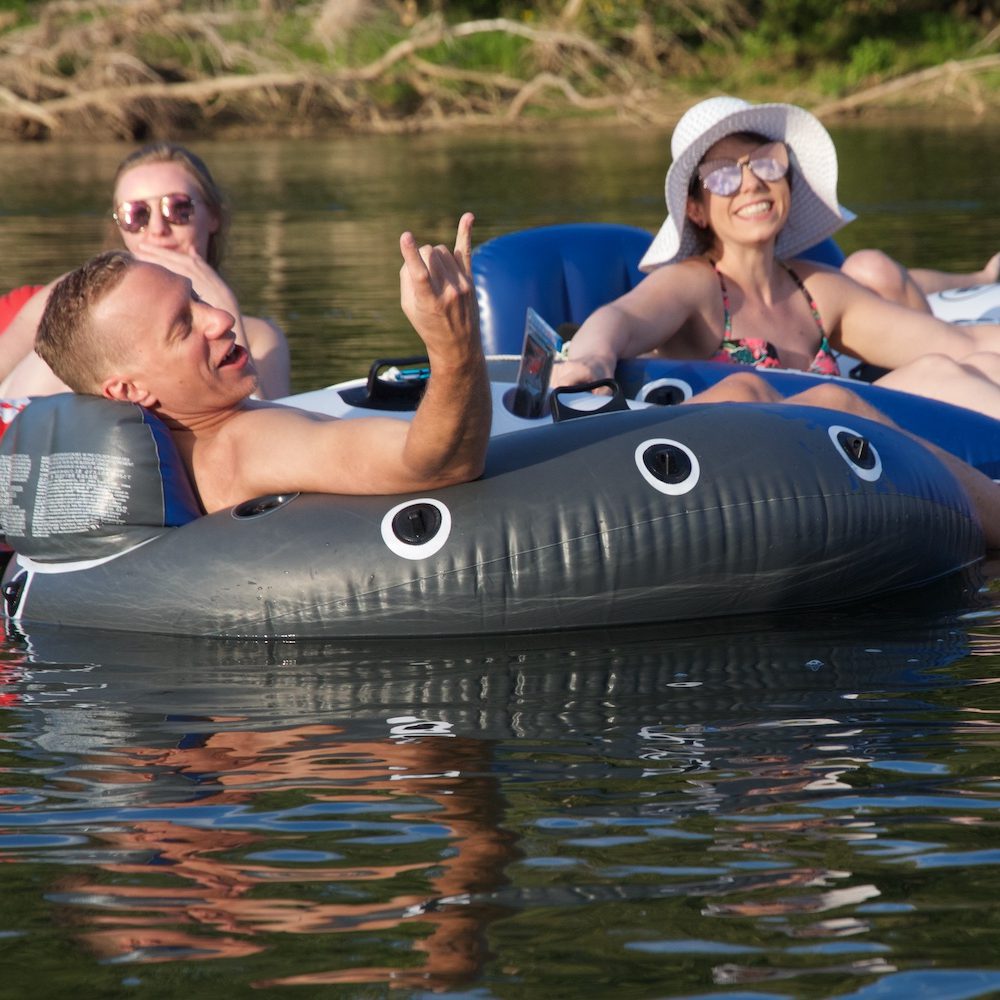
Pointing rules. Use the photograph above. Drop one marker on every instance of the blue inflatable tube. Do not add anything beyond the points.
(565, 272)
(970, 435)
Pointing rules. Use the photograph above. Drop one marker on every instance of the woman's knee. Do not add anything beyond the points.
(984, 363)
(740, 387)
(940, 367)
(872, 268)
(884, 276)
(829, 396)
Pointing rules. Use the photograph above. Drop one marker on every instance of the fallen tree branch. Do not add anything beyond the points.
(439, 33)
(550, 81)
(27, 109)
(947, 72)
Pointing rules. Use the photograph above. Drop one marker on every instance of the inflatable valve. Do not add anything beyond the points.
(667, 462)
(858, 448)
(417, 523)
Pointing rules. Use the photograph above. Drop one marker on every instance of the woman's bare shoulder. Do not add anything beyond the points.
(687, 279)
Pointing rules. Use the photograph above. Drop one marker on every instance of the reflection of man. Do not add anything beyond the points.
(221, 901)
(133, 331)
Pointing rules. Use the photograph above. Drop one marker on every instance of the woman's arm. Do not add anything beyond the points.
(886, 334)
(18, 340)
(642, 320)
(269, 350)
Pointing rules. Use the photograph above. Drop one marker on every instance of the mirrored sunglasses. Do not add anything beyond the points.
(725, 177)
(134, 216)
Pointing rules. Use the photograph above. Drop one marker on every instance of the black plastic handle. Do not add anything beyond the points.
(560, 411)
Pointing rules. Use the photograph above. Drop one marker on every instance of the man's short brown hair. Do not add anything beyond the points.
(66, 338)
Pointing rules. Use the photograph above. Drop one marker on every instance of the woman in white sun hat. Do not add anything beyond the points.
(752, 186)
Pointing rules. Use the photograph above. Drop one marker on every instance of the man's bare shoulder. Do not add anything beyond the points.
(264, 447)
(257, 419)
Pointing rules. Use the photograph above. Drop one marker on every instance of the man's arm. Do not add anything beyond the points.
(451, 428)
(270, 449)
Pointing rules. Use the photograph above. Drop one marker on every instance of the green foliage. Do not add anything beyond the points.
(367, 42)
(836, 31)
(295, 35)
(870, 58)
(489, 52)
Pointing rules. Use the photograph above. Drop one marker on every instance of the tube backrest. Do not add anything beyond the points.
(86, 478)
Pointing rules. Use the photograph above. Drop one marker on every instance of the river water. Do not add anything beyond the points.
(806, 806)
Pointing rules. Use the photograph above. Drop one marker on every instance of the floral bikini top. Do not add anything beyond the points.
(761, 353)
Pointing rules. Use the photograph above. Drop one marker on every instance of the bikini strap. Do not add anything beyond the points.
(813, 308)
(727, 316)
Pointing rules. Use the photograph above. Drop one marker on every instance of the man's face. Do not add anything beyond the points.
(178, 354)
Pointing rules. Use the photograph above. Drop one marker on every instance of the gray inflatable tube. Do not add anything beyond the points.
(640, 515)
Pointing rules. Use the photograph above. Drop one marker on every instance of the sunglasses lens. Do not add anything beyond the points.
(132, 216)
(768, 170)
(177, 209)
(724, 180)
(770, 162)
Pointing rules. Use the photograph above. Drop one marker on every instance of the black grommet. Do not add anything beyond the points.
(858, 449)
(417, 524)
(262, 505)
(667, 463)
(12, 591)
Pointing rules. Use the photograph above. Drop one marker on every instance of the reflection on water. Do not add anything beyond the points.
(800, 801)
(766, 809)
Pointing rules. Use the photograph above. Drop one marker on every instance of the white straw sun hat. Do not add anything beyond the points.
(815, 212)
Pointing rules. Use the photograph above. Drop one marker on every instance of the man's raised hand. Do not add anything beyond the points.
(437, 293)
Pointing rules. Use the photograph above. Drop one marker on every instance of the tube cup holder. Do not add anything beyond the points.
(403, 393)
(560, 411)
(665, 395)
(259, 506)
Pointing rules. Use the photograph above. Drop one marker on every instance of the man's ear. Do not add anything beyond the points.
(124, 391)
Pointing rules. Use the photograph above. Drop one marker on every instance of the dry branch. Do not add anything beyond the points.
(141, 67)
(112, 88)
(947, 74)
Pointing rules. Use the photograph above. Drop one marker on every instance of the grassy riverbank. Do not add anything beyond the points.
(134, 69)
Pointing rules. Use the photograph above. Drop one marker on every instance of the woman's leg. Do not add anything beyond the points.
(746, 387)
(740, 387)
(885, 277)
(911, 286)
(973, 382)
(940, 281)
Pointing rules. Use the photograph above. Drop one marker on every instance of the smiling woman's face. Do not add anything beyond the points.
(149, 182)
(755, 213)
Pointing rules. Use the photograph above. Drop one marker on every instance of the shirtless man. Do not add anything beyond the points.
(134, 331)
